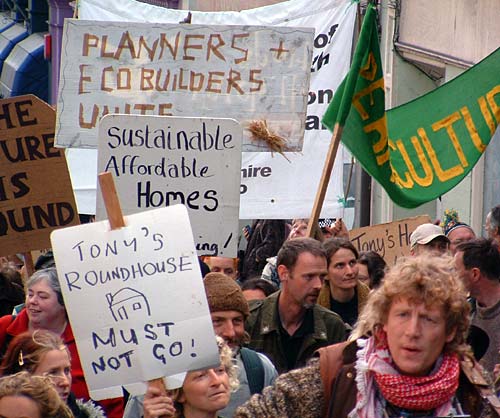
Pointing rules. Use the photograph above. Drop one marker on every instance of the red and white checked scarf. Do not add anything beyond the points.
(374, 364)
(421, 393)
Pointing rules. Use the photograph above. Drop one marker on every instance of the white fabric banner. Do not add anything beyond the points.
(272, 186)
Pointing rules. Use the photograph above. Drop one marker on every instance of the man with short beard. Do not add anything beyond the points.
(288, 326)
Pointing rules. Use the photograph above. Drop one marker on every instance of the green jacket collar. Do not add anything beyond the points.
(270, 318)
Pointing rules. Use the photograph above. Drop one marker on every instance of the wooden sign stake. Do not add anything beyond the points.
(325, 179)
(28, 263)
(116, 221)
(111, 201)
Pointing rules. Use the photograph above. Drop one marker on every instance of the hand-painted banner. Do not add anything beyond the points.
(35, 188)
(271, 186)
(390, 240)
(241, 72)
(435, 140)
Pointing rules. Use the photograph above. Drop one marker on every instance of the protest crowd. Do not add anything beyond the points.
(418, 338)
(156, 305)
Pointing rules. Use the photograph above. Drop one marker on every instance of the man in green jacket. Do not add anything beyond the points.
(288, 326)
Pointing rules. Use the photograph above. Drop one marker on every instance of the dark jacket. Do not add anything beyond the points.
(263, 327)
(11, 294)
(265, 240)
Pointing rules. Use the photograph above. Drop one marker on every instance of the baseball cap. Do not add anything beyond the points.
(425, 233)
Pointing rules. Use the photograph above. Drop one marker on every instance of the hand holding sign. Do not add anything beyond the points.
(157, 403)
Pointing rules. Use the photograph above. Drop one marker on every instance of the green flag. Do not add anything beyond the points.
(365, 69)
(422, 149)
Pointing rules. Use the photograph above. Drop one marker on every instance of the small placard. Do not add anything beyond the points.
(161, 161)
(391, 240)
(135, 299)
(242, 72)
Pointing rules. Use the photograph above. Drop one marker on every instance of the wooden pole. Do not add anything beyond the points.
(28, 264)
(330, 159)
(111, 201)
(325, 179)
(116, 221)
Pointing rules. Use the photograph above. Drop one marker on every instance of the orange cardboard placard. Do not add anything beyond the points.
(391, 240)
(36, 196)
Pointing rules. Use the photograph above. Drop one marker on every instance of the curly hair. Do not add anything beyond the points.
(40, 390)
(226, 360)
(27, 350)
(421, 279)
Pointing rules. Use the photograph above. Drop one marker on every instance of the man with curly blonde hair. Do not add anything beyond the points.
(407, 357)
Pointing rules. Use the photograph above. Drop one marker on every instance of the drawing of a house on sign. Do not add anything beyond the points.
(127, 302)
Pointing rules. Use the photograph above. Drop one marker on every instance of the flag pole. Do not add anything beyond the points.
(325, 179)
(347, 91)
(117, 221)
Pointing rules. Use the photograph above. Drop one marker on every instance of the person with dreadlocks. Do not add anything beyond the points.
(407, 357)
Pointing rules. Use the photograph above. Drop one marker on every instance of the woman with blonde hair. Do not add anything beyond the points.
(43, 353)
(203, 393)
(23, 395)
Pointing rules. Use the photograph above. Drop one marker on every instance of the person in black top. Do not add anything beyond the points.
(342, 292)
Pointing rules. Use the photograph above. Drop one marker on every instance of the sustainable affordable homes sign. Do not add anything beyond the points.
(161, 161)
(241, 72)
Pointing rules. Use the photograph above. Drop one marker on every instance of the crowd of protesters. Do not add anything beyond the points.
(305, 326)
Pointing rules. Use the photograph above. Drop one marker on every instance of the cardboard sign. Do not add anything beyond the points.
(241, 72)
(35, 188)
(160, 161)
(391, 240)
(135, 299)
(269, 182)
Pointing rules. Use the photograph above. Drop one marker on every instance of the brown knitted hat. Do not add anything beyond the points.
(224, 294)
